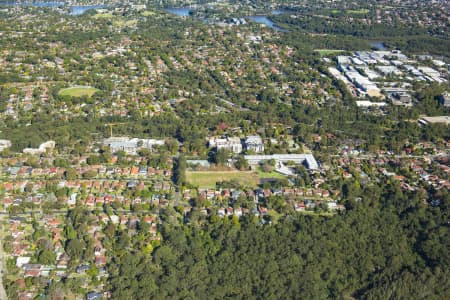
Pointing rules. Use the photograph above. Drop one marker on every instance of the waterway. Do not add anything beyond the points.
(261, 19)
(181, 12)
(266, 21)
(79, 10)
(35, 4)
(74, 10)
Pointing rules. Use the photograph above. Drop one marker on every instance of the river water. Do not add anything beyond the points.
(261, 19)
(75, 10)
(181, 12)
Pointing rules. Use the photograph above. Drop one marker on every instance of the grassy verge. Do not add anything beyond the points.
(361, 11)
(272, 174)
(325, 52)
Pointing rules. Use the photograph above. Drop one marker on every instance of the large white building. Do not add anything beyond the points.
(254, 143)
(366, 103)
(308, 159)
(4, 144)
(232, 144)
(438, 119)
(49, 145)
(130, 146)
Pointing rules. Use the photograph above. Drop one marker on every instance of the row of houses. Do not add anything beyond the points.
(261, 211)
(259, 194)
(98, 170)
(388, 166)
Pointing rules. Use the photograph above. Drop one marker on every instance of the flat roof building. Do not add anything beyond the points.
(229, 143)
(131, 146)
(308, 159)
(254, 143)
(4, 144)
(438, 119)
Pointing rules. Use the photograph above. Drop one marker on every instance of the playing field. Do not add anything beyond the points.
(208, 179)
(361, 11)
(107, 15)
(148, 13)
(78, 91)
(324, 52)
(272, 174)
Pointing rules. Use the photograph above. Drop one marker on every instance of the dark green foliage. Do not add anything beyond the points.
(220, 157)
(47, 257)
(388, 247)
(74, 249)
(342, 34)
(180, 170)
(241, 163)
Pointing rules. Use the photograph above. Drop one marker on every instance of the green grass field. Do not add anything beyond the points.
(208, 179)
(107, 15)
(324, 52)
(361, 11)
(78, 91)
(120, 22)
(148, 13)
(272, 174)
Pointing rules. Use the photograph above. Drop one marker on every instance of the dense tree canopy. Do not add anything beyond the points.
(389, 246)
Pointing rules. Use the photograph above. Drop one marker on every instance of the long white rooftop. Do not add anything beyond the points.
(297, 158)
